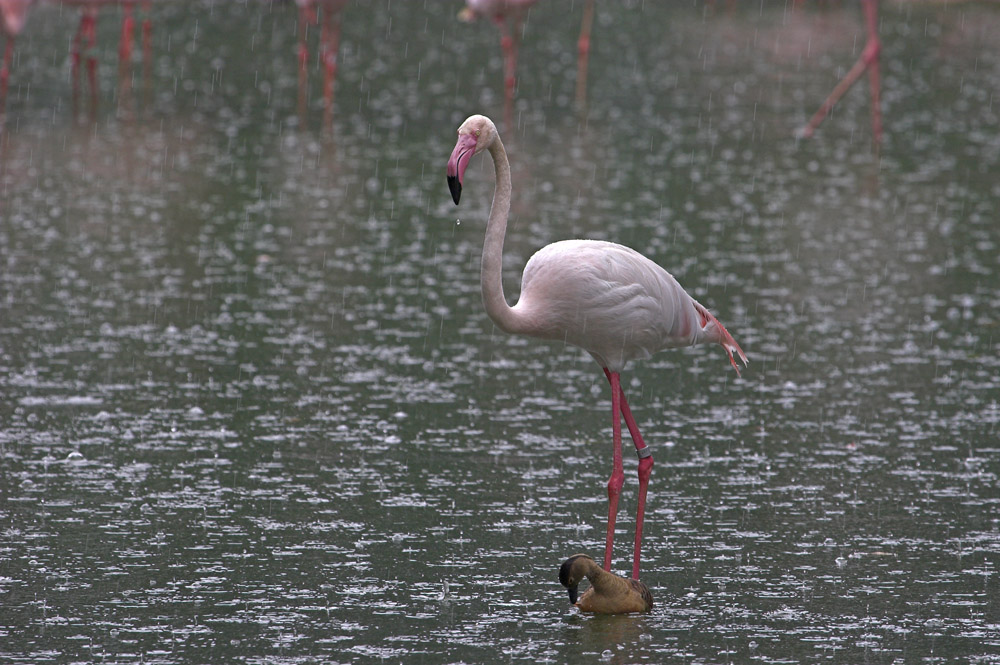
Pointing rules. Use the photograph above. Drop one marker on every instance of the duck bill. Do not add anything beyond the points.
(457, 163)
(572, 594)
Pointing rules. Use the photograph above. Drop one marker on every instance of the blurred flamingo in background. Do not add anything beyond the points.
(13, 15)
(85, 44)
(508, 15)
(329, 45)
(867, 62)
(605, 298)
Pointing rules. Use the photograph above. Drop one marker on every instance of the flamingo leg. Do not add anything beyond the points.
(8, 58)
(645, 469)
(126, 42)
(76, 57)
(125, 47)
(331, 44)
(583, 53)
(867, 62)
(306, 17)
(617, 478)
(84, 44)
(508, 45)
(147, 49)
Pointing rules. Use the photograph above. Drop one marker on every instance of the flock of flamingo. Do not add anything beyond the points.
(508, 15)
(602, 297)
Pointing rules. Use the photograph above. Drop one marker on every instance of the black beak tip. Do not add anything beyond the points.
(456, 188)
(572, 594)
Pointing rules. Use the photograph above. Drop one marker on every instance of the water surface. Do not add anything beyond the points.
(253, 410)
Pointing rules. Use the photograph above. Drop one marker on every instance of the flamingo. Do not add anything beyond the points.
(500, 11)
(868, 61)
(328, 47)
(13, 14)
(608, 593)
(605, 298)
(85, 43)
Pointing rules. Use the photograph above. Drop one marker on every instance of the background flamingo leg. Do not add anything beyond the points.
(583, 53)
(125, 48)
(147, 50)
(330, 47)
(8, 58)
(617, 478)
(867, 62)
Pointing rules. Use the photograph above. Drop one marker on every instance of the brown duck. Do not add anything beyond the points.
(608, 593)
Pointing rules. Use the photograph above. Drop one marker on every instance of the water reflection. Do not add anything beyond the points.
(253, 409)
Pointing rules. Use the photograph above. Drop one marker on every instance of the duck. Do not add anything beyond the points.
(608, 593)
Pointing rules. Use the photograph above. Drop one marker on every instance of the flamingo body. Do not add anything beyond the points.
(609, 300)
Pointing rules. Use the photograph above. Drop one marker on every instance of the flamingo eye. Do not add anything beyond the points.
(478, 132)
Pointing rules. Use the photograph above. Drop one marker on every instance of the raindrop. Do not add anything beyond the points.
(75, 456)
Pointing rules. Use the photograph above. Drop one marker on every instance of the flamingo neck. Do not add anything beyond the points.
(492, 271)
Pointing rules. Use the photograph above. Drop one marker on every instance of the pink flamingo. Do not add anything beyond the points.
(868, 61)
(329, 45)
(607, 299)
(508, 15)
(85, 43)
(13, 15)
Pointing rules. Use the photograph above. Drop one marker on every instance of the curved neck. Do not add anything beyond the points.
(492, 272)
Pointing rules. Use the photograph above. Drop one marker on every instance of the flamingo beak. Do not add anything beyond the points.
(572, 594)
(460, 156)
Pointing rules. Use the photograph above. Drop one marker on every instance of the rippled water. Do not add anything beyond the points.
(253, 410)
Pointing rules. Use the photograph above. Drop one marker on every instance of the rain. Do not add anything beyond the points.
(252, 408)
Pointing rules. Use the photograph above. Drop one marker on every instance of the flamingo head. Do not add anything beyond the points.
(475, 135)
(13, 16)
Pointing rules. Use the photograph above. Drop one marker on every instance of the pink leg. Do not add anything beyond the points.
(583, 52)
(76, 58)
(125, 43)
(8, 57)
(871, 16)
(90, 35)
(867, 62)
(617, 478)
(84, 43)
(147, 50)
(125, 47)
(645, 469)
(331, 44)
(508, 45)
